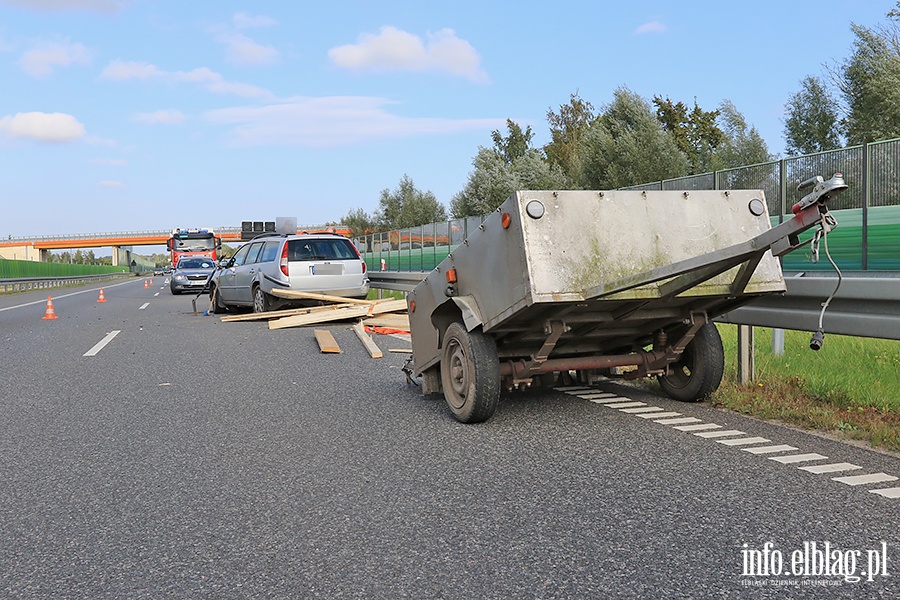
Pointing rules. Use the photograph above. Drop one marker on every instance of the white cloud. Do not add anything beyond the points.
(111, 184)
(102, 6)
(242, 20)
(241, 50)
(333, 121)
(120, 70)
(652, 27)
(43, 58)
(161, 117)
(395, 50)
(44, 127)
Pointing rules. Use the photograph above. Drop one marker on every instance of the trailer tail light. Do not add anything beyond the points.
(284, 260)
(451, 275)
(412, 306)
(505, 220)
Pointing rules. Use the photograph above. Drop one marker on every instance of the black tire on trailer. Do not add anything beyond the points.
(470, 374)
(260, 300)
(698, 372)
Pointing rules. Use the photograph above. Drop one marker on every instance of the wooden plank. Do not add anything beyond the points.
(340, 314)
(392, 321)
(401, 350)
(367, 341)
(274, 314)
(323, 297)
(326, 341)
(387, 306)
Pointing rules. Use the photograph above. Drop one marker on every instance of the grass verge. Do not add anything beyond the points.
(851, 387)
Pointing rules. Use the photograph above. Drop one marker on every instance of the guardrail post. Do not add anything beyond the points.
(778, 341)
(745, 354)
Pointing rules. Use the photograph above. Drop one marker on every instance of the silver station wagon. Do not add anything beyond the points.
(320, 263)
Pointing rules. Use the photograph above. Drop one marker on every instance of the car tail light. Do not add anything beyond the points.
(364, 267)
(284, 260)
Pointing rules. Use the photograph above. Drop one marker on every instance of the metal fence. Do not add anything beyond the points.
(868, 213)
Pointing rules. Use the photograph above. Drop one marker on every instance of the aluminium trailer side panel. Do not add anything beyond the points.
(575, 241)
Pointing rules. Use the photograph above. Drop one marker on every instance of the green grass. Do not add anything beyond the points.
(850, 387)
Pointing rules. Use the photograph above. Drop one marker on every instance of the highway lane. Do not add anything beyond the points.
(195, 458)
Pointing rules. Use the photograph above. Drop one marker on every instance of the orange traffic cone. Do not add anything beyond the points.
(146, 284)
(50, 315)
(101, 298)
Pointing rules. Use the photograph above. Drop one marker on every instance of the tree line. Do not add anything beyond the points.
(632, 140)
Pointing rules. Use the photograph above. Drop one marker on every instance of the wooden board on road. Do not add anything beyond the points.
(370, 345)
(288, 312)
(323, 297)
(326, 341)
(351, 312)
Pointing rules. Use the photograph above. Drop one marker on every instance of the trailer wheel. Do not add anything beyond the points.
(470, 374)
(698, 372)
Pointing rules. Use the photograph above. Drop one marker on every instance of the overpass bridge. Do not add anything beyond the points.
(36, 248)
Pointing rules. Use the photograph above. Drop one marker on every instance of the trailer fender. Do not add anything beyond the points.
(470, 312)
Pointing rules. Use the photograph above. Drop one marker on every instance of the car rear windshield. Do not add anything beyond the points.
(321, 249)
(194, 263)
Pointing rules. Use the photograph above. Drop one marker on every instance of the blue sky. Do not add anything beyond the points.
(132, 115)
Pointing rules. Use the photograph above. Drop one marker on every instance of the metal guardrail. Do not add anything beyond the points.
(22, 284)
(866, 305)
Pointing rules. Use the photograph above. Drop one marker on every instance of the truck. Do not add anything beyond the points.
(571, 287)
(193, 242)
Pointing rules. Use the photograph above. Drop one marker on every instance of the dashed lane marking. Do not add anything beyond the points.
(626, 404)
(743, 441)
(607, 401)
(832, 468)
(144, 305)
(893, 492)
(679, 421)
(661, 415)
(864, 479)
(796, 458)
(715, 434)
(700, 427)
(770, 449)
(101, 344)
(643, 409)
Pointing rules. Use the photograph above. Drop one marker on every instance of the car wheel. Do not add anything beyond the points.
(260, 300)
(216, 302)
(174, 291)
(698, 372)
(470, 374)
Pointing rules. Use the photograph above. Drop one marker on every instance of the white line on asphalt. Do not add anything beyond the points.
(743, 441)
(715, 434)
(626, 404)
(863, 479)
(678, 421)
(607, 400)
(643, 409)
(661, 415)
(101, 344)
(832, 468)
(572, 388)
(156, 294)
(770, 449)
(701, 427)
(893, 492)
(62, 296)
(795, 458)
(144, 305)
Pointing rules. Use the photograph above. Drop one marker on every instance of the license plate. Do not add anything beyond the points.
(326, 269)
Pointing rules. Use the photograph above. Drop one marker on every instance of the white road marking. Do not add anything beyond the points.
(144, 305)
(101, 344)
(701, 427)
(715, 434)
(795, 458)
(863, 479)
(893, 492)
(156, 294)
(571, 388)
(770, 449)
(626, 404)
(644, 409)
(661, 415)
(678, 421)
(743, 441)
(593, 395)
(832, 468)
(607, 400)
(57, 297)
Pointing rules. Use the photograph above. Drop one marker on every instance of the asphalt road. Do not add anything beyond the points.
(191, 458)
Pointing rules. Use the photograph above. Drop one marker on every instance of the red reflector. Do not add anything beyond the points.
(412, 306)
(505, 220)
(451, 275)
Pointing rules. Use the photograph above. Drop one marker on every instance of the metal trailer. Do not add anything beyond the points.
(568, 286)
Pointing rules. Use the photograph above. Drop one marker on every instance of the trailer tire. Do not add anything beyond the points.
(470, 374)
(698, 372)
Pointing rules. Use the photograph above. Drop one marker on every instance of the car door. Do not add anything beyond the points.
(228, 275)
(246, 274)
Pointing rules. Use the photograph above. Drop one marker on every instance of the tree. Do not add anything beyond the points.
(407, 206)
(695, 132)
(358, 221)
(566, 130)
(627, 145)
(811, 122)
(870, 82)
(512, 164)
(742, 144)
